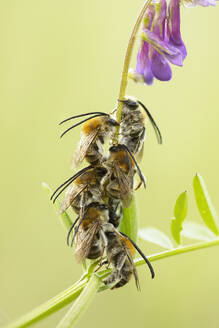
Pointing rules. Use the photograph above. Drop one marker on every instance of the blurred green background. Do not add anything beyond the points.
(59, 58)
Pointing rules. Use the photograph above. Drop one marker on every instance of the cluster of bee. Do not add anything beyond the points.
(98, 192)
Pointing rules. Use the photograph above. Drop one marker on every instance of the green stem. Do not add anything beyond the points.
(51, 306)
(178, 251)
(81, 304)
(74, 291)
(128, 55)
(129, 222)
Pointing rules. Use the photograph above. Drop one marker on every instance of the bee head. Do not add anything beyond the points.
(116, 149)
(100, 171)
(132, 104)
(112, 122)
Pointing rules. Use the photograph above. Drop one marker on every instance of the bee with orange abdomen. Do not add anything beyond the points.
(132, 126)
(89, 235)
(120, 250)
(95, 130)
(85, 189)
(118, 183)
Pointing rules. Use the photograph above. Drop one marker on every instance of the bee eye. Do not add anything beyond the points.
(110, 234)
(113, 122)
(131, 103)
(113, 149)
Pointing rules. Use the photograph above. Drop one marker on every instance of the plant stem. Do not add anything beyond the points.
(178, 251)
(74, 291)
(128, 55)
(51, 306)
(129, 222)
(81, 304)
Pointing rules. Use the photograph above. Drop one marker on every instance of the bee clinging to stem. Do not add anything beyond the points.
(118, 182)
(133, 126)
(89, 234)
(95, 130)
(120, 250)
(85, 189)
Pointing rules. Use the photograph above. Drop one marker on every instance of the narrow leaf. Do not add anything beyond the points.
(204, 204)
(65, 218)
(129, 222)
(197, 231)
(181, 207)
(180, 212)
(155, 236)
(81, 304)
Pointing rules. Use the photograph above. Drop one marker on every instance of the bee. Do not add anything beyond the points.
(85, 189)
(119, 180)
(89, 235)
(94, 235)
(95, 130)
(120, 250)
(132, 126)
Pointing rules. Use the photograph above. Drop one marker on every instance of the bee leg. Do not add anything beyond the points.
(105, 179)
(115, 276)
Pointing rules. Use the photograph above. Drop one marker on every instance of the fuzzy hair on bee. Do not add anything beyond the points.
(133, 126)
(120, 250)
(121, 165)
(89, 236)
(85, 189)
(95, 130)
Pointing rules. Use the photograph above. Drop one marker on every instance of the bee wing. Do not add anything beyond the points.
(84, 242)
(70, 196)
(125, 184)
(84, 144)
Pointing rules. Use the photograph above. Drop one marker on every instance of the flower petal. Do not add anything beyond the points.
(163, 47)
(144, 64)
(160, 67)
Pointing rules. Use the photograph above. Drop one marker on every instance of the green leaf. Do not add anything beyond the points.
(197, 231)
(81, 304)
(129, 222)
(155, 236)
(65, 218)
(204, 204)
(180, 212)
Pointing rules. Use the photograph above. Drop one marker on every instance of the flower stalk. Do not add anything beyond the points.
(128, 55)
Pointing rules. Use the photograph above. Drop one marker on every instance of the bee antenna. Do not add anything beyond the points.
(70, 230)
(136, 164)
(156, 129)
(81, 115)
(142, 254)
(68, 182)
(87, 119)
(76, 230)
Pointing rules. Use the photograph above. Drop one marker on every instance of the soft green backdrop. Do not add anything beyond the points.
(59, 58)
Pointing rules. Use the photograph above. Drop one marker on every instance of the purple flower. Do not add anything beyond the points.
(161, 44)
(203, 3)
